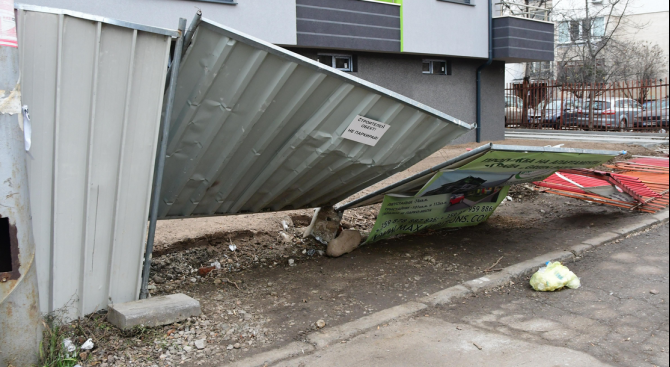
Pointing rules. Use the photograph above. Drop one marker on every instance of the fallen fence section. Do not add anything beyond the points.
(638, 184)
(258, 128)
(414, 183)
(94, 89)
(466, 190)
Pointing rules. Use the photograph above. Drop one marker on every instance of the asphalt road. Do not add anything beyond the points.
(618, 318)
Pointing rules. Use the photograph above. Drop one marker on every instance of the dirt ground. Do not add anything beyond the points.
(275, 286)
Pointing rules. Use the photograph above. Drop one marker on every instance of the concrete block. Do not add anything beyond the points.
(273, 356)
(602, 239)
(328, 336)
(637, 226)
(154, 311)
(488, 282)
(446, 296)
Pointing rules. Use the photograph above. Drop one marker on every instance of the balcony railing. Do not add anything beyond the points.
(519, 10)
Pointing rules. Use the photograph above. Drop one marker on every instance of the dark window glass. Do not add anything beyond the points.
(439, 67)
(343, 63)
(574, 30)
(326, 60)
(5, 246)
(426, 67)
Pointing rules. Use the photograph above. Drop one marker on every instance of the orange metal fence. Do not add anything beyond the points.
(640, 106)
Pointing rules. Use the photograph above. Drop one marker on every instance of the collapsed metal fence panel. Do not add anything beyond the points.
(414, 183)
(258, 128)
(94, 88)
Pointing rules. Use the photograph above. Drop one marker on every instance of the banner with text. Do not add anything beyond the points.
(468, 195)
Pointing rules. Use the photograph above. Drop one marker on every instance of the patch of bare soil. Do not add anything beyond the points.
(264, 286)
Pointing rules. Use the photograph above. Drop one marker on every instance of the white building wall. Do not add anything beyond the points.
(444, 28)
(270, 20)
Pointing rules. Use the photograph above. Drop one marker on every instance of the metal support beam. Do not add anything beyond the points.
(160, 162)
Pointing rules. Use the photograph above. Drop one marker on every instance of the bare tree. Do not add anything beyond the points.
(642, 61)
(588, 43)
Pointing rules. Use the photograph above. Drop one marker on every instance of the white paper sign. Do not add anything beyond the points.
(365, 130)
(7, 24)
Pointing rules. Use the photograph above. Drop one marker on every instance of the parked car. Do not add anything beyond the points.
(555, 113)
(654, 114)
(513, 110)
(610, 114)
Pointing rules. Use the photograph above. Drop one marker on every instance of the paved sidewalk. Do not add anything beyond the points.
(619, 318)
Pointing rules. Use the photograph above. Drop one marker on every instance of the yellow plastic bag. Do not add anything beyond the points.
(553, 277)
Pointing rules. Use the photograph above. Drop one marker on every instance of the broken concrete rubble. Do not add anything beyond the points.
(346, 242)
(325, 225)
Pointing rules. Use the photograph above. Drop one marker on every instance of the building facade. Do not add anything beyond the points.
(638, 21)
(428, 50)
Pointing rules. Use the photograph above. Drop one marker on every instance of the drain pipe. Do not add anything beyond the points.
(160, 162)
(479, 74)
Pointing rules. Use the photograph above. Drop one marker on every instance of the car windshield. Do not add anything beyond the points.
(598, 105)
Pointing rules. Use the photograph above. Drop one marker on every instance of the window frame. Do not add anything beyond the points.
(447, 66)
(567, 28)
(351, 61)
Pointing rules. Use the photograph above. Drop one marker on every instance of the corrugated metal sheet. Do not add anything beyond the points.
(258, 128)
(416, 182)
(94, 88)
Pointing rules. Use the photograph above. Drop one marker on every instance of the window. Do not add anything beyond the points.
(577, 30)
(563, 32)
(598, 29)
(339, 62)
(436, 67)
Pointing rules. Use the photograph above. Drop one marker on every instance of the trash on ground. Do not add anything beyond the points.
(553, 277)
(69, 345)
(88, 345)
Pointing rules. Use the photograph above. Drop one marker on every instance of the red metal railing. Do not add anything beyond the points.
(640, 106)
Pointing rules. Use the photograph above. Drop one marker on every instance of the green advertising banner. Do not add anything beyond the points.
(468, 195)
(415, 214)
(505, 161)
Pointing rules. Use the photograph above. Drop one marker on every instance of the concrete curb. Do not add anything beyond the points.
(324, 338)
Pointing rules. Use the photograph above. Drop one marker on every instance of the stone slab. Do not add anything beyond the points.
(446, 296)
(602, 238)
(488, 282)
(637, 226)
(662, 216)
(270, 357)
(329, 336)
(429, 341)
(154, 311)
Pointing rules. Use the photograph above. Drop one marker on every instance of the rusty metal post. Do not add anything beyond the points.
(20, 330)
